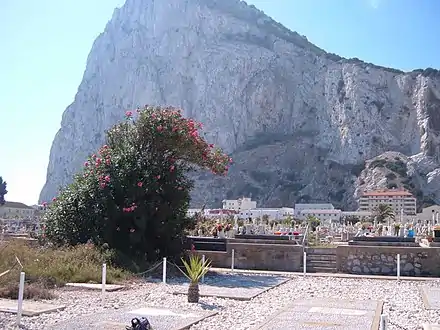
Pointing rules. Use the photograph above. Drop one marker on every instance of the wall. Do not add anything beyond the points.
(375, 260)
(258, 256)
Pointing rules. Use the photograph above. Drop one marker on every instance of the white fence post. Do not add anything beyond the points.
(398, 266)
(304, 263)
(203, 261)
(233, 259)
(383, 322)
(164, 271)
(20, 298)
(103, 281)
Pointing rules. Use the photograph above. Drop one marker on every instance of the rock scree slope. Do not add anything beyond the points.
(300, 123)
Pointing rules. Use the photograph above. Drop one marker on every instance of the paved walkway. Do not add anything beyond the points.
(430, 297)
(326, 314)
(338, 275)
(30, 307)
(237, 286)
(160, 319)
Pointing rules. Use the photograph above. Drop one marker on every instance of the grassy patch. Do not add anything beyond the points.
(47, 268)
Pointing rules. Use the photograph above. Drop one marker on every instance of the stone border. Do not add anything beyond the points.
(425, 298)
(47, 308)
(237, 297)
(337, 275)
(185, 326)
(374, 325)
(95, 287)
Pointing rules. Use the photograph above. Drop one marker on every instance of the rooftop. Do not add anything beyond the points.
(17, 205)
(388, 193)
(320, 211)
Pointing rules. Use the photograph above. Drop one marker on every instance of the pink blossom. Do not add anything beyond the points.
(54, 199)
(158, 177)
(102, 185)
(86, 164)
(160, 128)
(107, 178)
(172, 168)
(139, 184)
(128, 114)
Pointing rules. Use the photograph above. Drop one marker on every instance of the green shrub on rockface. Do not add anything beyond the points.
(134, 193)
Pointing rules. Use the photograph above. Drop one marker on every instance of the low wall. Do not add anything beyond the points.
(258, 256)
(382, 260)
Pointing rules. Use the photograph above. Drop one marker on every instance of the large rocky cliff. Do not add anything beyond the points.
(300, 123)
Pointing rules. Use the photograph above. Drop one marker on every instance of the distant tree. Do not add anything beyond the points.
(313, 221)
(352, 219)
(3, 191)
(383, 212)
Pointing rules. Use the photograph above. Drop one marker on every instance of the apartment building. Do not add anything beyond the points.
(15, 210)
(398, 200)
(299, 208)
(240, 204)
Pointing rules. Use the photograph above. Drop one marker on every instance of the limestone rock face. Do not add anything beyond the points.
(299, 122)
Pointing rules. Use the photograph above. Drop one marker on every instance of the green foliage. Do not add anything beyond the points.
(196, 268)
(3, 191)
(391, 176)
(313, 221)
(383, 212)
(46, 268)
(377, 163)
(134, 193)
(391, 185)
(398, 167)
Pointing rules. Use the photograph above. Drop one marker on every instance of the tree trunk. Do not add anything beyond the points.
(193, 292)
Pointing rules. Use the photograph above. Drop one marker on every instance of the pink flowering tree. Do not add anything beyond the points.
(134, 193)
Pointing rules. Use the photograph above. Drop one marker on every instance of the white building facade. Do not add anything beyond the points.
(271, 213)
(240, 204)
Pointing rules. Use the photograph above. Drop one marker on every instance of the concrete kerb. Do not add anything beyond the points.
(236, 296)
(30, 308)
(336, 275)
(95, 287)
(374, 325)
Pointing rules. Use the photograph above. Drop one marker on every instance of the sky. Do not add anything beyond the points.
(45, 45)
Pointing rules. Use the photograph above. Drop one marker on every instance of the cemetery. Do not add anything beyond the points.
(117, 249)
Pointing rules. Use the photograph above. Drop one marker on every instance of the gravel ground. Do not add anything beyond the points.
(403, 302)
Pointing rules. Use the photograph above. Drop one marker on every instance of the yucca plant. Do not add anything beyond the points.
(196, 268)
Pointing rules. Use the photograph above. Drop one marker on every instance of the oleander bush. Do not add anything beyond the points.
(133, 194)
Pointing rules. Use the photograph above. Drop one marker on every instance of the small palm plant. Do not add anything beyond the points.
(196, 268)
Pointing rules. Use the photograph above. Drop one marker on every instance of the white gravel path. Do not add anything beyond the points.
(402, 300)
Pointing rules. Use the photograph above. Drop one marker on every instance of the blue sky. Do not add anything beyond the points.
(45, 45)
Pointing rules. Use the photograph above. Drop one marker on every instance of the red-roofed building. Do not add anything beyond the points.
(398, 200)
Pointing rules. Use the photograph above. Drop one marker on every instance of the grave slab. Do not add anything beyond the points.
(30, 308)
(429, 326)
(160, 318)
(430, 297)
(326, 314)
(238, 287)
(97, 287)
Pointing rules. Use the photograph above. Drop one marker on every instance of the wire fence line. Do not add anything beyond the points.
(149, 270)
